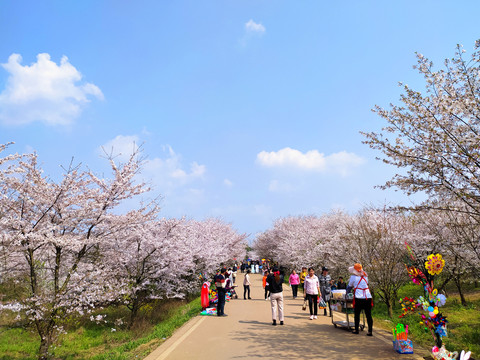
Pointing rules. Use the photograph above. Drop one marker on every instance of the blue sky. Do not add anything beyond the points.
(248, 110)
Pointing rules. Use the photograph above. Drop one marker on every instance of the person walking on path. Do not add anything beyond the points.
(325, 289)
(220, 283)
(274, 283)
(294, 280)
(362, 297)
(234, 273)
(246, 285)
(312, 290)
(264, 283)
(303, 275)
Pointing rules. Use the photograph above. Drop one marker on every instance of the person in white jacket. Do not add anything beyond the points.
(362, 297)
(246, 285)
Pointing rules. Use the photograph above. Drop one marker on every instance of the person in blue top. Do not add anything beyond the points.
(362, 299)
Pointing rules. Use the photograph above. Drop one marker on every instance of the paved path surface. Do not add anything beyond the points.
(247, 333)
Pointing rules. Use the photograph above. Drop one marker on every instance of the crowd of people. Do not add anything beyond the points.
(315, 288)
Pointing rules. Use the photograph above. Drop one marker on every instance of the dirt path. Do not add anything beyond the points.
(247, 333)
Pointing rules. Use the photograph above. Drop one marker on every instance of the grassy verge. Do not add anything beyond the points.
(106, 340)
(463, 322)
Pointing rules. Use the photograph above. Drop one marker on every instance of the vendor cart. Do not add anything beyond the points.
(345, 307)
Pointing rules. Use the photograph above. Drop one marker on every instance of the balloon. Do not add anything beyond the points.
(430, 309)
(432, 314)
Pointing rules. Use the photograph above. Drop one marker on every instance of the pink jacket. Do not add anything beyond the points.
(294, 279)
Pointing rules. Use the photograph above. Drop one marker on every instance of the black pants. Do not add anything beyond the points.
(312, 304)
(294, 290)
(245, 289)
(366, 305)
(221, 301)
(267, 293)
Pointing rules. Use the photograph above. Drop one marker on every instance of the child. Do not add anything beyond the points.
(267, 294)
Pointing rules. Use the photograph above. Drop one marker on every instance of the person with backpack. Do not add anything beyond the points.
(274, 283)
(362, 299)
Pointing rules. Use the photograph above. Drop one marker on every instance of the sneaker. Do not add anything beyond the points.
(355, 332)
(311, 317)
(368, 334)
(281, 322)
(274, 323)
(315, 316)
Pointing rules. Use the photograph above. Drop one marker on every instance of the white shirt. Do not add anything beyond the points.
(362, 292)
(246, 280)
(311, 285)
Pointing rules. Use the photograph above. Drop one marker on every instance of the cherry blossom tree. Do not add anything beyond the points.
(435, 135)
(449, 233)
(376, 240)
(54, 232)
(77, 252)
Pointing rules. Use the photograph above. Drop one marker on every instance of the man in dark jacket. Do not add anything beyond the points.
(341, 284)
(220, 283)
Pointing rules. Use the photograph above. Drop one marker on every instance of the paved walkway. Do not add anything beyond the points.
(247, 333)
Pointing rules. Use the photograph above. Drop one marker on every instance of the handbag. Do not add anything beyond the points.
(321, 303)
(304, 306)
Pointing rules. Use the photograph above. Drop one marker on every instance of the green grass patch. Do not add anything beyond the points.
(106, 340)
(463, 322)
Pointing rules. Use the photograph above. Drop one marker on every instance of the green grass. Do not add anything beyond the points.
(88, 340)
(463, 322)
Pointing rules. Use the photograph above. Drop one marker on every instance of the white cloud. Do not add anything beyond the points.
(122, 147)
(169, 172)
(44, 91)
(312, 160)
(252, 27)
(227, 183)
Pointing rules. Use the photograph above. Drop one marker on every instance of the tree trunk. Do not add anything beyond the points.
(459, 287)
(45, 343)
(134, 311)
(389, 303)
